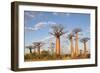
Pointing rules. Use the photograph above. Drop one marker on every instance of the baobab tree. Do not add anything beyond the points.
(57, 31)
(70, 36)
(38, 45)
(30, 48)
(76, 31)
(84, 41)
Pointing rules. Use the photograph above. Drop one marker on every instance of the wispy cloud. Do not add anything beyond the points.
(39, 25)
(48, 38)
(36, 27)
(55, 13)
(31, 14)
(68, 14)
(30, 29)
(51, 22)
(61, 13)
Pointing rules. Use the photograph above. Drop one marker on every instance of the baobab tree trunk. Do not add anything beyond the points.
(76, 45)
(30, 50)
(39, 50)
(85, 49)
(58, 46)
(72, 48)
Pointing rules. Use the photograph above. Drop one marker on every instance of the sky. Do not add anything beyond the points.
(37, 26)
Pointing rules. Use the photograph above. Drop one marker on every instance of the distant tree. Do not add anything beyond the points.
(30, 48)
(58, 30)
(84, 41)
(76, 31)
(38, 45)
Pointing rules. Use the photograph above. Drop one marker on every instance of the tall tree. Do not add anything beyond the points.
(57, 31)
(84, 41)
(76, 31)
(70, 36)
(30, 48)
(38, 45)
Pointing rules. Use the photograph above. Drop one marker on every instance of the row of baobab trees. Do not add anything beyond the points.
(57, 32)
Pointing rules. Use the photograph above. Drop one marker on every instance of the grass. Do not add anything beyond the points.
(45, 55)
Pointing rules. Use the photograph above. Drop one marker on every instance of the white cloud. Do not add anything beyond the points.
(68, 14)
(50, 22)
(55, 13)
(36, 27)
(61, 13)
(31, 14)
(39, 25)
(29, 29)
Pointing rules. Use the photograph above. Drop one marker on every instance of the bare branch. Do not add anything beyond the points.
(71, 35)
(77, 30)
(85, 39)
(38, 44)
(31, 47)
(57, 30)
(52, 33)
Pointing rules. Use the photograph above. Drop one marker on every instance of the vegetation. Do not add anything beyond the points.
(45, 55)
(76, 31)
(84, 41)
(38, 45)
(70, 36)
(57, 31)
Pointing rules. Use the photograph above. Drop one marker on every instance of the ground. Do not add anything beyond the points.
(45, 55)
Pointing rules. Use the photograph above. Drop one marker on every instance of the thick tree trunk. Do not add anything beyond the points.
(72, 48)
(39, 50)
(58, 46)
(30, 50)
(76, 45)
(85, 49)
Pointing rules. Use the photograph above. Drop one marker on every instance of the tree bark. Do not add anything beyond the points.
(72, 48)
(30, 50)
(58, 46)
(39, 50)
(76, 45)
(85, 49)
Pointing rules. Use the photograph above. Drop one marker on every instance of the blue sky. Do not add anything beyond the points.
(37, 24)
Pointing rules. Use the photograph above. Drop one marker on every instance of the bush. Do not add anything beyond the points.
(28, 56)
